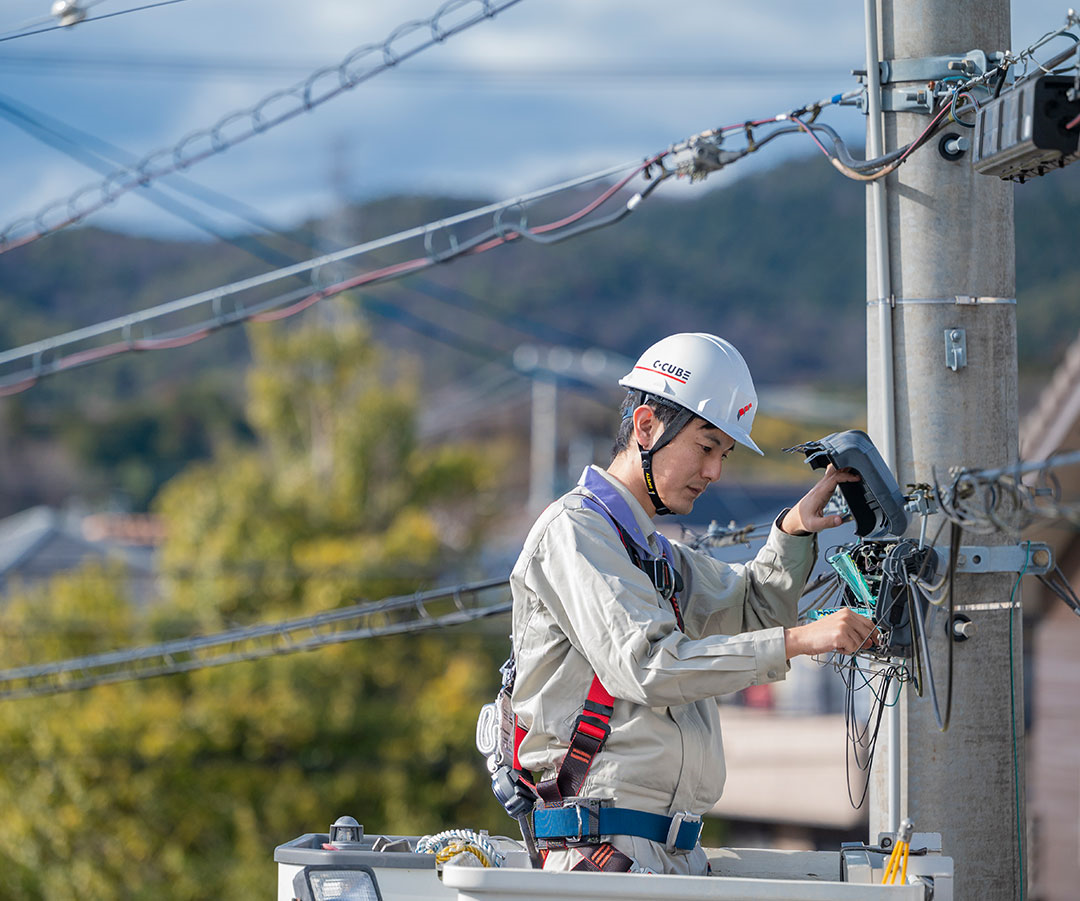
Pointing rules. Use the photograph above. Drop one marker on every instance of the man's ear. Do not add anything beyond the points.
(647, 427)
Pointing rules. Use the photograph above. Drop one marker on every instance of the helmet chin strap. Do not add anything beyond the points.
(670, 431)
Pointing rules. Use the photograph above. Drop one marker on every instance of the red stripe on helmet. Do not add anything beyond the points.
(666, 375)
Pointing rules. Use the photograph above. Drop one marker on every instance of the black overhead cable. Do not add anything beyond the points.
(73, 143)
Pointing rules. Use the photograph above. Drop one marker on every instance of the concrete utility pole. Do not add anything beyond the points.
(546, 366)
(945, 241)
(544, 441)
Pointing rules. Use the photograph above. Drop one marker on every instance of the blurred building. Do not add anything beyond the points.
(1051, 642)
(41, 542)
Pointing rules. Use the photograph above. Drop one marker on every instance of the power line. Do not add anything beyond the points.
(41, 356)
(120, 157)
(404, 614)
(103, 156)
(123, 12)
(694, 157)
(281, 106)
(660, 72)
(420, 612)
(67, 140)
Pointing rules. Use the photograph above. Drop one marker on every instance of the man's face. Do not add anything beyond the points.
(685, 467)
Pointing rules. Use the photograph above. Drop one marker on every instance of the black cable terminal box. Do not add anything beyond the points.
(875, 502)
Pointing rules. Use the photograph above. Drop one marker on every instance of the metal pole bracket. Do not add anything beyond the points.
(1006, 558)
(955, 348)
(922, 79)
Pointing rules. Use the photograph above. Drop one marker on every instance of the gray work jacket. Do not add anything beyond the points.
(582, 607)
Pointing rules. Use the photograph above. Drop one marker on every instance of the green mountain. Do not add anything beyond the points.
(774, 261)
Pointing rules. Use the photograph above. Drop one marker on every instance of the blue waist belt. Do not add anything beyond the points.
(583, 822)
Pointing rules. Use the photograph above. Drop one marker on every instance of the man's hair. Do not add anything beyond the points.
(665, 411)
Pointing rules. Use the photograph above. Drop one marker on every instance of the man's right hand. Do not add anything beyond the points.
(844, 631)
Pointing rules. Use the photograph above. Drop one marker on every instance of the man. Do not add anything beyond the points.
(623, 641)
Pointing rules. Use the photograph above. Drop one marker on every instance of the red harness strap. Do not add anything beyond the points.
(605, 858)
(590, 732)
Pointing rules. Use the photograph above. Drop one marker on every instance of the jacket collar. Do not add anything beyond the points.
(620, 503)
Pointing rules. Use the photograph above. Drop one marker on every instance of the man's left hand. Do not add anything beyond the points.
(807, 516)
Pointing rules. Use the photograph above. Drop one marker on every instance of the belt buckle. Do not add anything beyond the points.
(677, 821)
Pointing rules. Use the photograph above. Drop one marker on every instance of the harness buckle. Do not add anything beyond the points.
(592, 726)
(677, 822)
(663, 577)
(587, 812)
(568, 823)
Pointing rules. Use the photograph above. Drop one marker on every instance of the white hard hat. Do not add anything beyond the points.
(704, 374)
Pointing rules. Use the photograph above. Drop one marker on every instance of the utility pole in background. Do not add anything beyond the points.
(944, 293)
(546, 366)
(544, 440)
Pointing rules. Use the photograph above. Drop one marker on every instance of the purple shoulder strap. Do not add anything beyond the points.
(607, 501)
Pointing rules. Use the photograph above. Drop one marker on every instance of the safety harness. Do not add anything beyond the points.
(562, 819)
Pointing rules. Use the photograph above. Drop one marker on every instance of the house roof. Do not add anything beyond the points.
(41, 541)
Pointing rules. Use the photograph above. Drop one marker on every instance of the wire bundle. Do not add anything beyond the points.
(894, 572)
(862, 734)
(1006, 499)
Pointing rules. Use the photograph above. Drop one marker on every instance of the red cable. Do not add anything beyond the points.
(610, 192)
(914, 144)
(810, 132)
(18, 387)
(1074, 123)
(329, 291)
(166, 343)
(92, 355)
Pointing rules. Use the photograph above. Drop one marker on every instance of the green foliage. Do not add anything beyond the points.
(131, 451)
(180, 787)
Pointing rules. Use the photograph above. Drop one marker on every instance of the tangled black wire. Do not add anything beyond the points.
(863, 735)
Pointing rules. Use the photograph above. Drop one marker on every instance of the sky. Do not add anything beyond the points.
(545, 90)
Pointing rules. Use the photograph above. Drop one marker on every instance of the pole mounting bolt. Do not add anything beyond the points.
(962, 627)
(953, 146)
(955, 348)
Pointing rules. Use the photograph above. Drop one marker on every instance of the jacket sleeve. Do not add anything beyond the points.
(724, 597)
(611, 614)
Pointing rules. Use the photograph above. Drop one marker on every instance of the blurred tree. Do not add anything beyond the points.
(181, 786)
(126, 453)
(336, 500)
